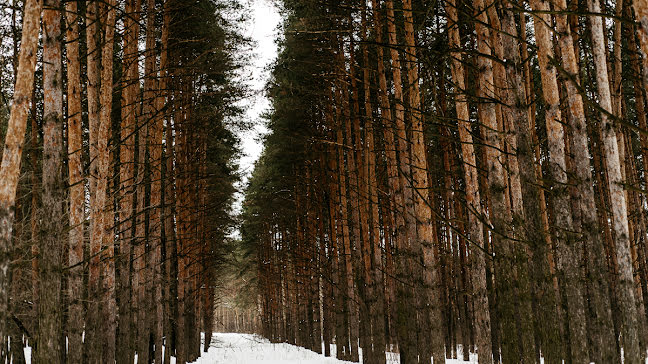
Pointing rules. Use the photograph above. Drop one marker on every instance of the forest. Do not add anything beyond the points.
(440, 180)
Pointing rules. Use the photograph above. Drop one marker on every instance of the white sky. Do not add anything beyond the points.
(262, 29)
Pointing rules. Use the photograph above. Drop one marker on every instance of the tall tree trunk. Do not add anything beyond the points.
(170, 240)
(629, 330)
(395, 200)
(151, 114)
(76, 182)
(337, 277)
(641, 12)
(127, 305)
(533, 229)
(12, 150)
(376, 308)
(350, 308)
(420, 195)
(567, 243)
(594, 247)
(500, 214)
(475, 213)
(352, 186)
(142, 276)
(51, 231)
(96, 209)
(643, 151)
(108, 299)
(363, 256)
(407, 325)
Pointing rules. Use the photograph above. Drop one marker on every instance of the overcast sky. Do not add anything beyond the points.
(262, 30)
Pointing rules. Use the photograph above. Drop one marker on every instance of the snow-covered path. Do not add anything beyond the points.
(251, 349)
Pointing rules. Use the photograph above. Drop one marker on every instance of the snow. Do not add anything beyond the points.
(252, 349)
(28, 354)
(234, 348)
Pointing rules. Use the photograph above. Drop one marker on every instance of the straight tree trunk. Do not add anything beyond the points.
(142, 276)
(629, 330)
(53, 194)
(534, 230)
(352, 258)
(643, 151)
(376, 309)
(641, 13)
(13, 143)
(500, 213)
(337, 276)
(36, 155)
(420, 195)
(393, 182)
(407, 325)
(363, 256)
(76, 182)
(615, 82)
(109, 302)
(151, 114)
(568, 247)
(170, 239)
(125, 350)
(96, 209)
(325, 271)
(128, 282)
(93, 75)
(594, 247)
(128, 305)
(475, 214)
(350, 308)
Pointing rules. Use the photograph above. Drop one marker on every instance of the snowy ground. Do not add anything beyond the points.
(252, 349)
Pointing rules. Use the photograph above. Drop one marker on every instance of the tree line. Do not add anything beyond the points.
(117, 176)
(447, 177)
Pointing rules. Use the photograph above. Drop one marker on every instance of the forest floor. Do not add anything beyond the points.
(233, 348)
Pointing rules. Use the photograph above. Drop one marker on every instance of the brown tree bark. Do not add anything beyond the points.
(14, 139)
(350, 184)
(629, 330)
(141, 268)
(127, 331)
(128, 306)
(407, 325)
(153, 117)
(350, 308)
(641, 13)
(376, 307)
(103, 197)
(500, 213)
(76, 182)
(96, 209)
(533, 202)
(594, 247)
(53, 194)
(170, 238)
(615, 82)
(420, 194)
(395, 200)
(475, 214)
(567, 243)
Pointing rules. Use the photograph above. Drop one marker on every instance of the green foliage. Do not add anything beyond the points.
(207, 44)
(298, 92)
